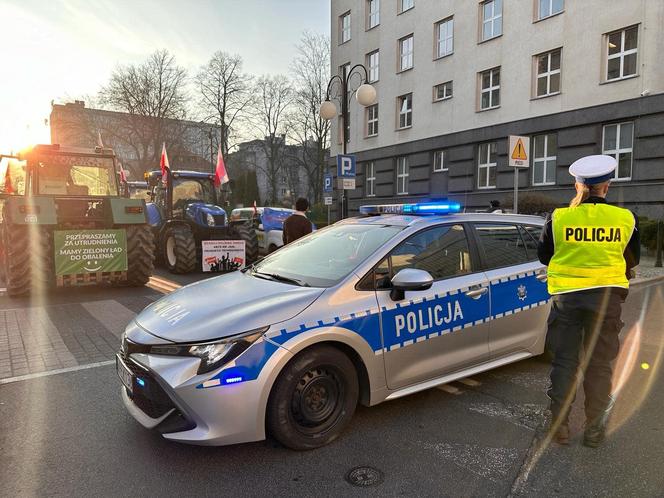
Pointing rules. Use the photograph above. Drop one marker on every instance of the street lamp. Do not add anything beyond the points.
(365, 95)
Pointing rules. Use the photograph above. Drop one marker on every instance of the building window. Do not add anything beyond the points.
(548, 8)
(548, 74)
(373, 13)
(439, 161)
(492, 19)
(405, 5)
(370, 177)
(490, 88)
(405, 103)
(544, 159)
(344, 27)
(486, 166)
(406, 53)
(617, 141)
(372, 120)
(445, 37)
(442, 91)
(621, 53)
(373, 65)
(402, 175)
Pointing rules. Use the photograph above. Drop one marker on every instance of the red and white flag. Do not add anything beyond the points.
(123, 173)
(9, 188)
(220, 175)
(100, 143)
(165, 167)
(255, 209)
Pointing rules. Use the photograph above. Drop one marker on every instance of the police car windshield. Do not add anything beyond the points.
(325, 257)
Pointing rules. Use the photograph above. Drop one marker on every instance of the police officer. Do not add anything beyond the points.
(590, 248)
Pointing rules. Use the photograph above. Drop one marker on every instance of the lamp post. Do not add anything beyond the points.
(366, 96)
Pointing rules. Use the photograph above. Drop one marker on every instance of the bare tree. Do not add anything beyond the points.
(224, 95)
(275, 96)
(311, 67)
(153, 98)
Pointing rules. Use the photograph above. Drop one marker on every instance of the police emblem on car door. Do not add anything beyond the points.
(518, 286)
(444, 328)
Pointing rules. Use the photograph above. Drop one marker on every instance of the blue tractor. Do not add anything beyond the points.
(186, 211)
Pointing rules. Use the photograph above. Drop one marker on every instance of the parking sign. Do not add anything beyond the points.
(327, 182)
(346, 166)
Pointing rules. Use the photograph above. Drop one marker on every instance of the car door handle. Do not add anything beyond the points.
(476, 292)
(542, 276)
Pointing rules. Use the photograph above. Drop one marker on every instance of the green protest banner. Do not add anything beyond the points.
(89, 251)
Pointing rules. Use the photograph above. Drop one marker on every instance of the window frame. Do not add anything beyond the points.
(442, 168)
(343, 30)
(488, 90)
(371, 68)
(437, 39)
(538, 11)
(402, 177)
(621, 55)
(408, 114)
(544, 159)
(615, 153)
(409, 56)
(401, 10)
(370, 181)
(370, 122)
(492, 20)
(372, 14)
(537, 76)
(444, 85)
(488, 165)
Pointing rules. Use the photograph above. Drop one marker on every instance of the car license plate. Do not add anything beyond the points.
(125, 374)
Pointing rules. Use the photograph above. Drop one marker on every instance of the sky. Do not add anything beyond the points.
(63, 50)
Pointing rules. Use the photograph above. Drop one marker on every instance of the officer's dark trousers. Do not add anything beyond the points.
(583, 333)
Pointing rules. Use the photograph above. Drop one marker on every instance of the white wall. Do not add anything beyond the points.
(578, 30)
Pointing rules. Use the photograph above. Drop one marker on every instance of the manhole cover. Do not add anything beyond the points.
(364, 476)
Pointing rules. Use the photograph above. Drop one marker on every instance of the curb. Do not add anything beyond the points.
(649, 280)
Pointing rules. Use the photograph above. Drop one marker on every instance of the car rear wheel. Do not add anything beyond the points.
(313, 399)
(180, 250)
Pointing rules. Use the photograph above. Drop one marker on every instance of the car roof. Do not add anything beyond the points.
(407, 220)
(184, 173)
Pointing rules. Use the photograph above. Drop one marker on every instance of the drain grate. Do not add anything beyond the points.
(364, 476)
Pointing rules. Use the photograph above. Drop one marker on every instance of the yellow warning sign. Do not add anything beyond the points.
(519, 151)
(519, 148)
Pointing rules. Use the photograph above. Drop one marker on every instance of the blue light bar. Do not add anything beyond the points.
(233, 380)
(140, 382)
(422, 208)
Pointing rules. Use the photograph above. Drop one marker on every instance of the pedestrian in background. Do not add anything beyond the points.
(590, 248)
(494, 207)
(297, 224)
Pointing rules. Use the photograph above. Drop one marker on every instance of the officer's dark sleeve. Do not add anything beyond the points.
(545, 245)
(284, 232)
(633, 250)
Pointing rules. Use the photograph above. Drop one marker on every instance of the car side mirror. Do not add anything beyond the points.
(260, 226)
(409, 279)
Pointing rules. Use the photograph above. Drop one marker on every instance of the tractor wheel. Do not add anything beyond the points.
(180, 250)
(248, 234)
(140, 254)
(27, 258)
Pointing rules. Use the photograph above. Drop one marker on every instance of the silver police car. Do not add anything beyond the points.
(404, 298)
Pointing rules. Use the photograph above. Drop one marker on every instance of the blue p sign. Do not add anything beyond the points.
(327, 183)
(346, 166)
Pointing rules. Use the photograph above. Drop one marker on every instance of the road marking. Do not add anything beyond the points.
(55, 372)
(470, 382)
(449, 389)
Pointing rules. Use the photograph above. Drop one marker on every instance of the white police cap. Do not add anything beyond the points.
(593, 169)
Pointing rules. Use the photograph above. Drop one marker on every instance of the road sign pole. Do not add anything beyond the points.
(518, 157)
(516, 190)
(328, 214)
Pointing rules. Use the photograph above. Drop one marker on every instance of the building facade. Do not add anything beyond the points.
(455, 78)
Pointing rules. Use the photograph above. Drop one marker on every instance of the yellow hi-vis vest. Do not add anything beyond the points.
(589, 241)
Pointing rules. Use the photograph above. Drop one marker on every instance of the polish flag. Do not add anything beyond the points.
(9, 188)
(123, 173)
(165, 167)
(255, 209)
(100, 143)
(220, 175)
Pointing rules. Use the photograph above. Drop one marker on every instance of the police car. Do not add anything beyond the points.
(401, 299)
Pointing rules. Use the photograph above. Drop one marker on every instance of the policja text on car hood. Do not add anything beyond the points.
(224, 306)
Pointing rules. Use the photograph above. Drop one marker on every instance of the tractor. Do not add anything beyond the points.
(64, 222)
(184, 212)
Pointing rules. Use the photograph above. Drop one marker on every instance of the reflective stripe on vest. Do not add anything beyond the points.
(589, 240)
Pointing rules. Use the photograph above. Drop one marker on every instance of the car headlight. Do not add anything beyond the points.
(213, 354)
(210, 220)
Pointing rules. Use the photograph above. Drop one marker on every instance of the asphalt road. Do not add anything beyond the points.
(68, 434)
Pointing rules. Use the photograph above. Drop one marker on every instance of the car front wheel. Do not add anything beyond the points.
(313, 399)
